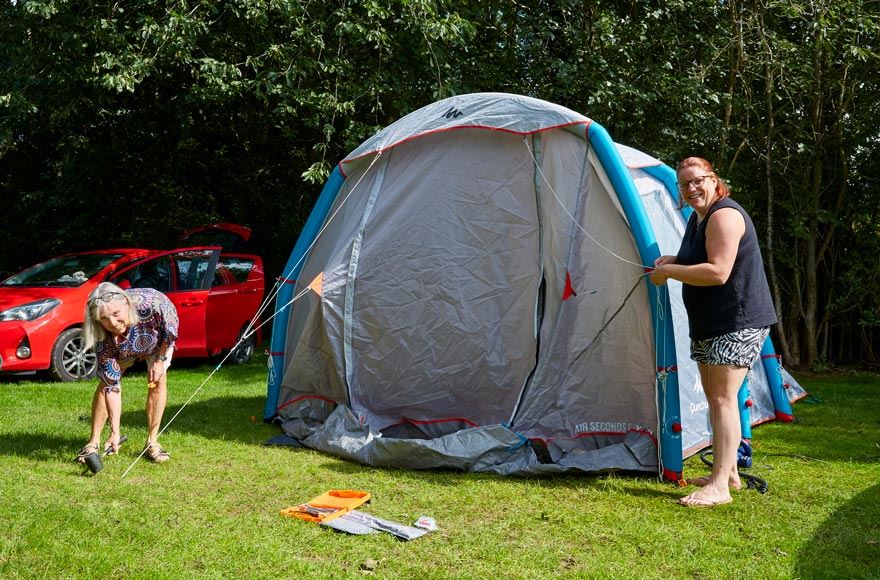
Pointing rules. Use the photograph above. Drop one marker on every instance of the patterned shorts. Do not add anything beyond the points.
(739, 348)
(117, 370)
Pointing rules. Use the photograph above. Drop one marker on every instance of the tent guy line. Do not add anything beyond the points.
(462, 228)
(211, 374)
(245, 335)
(605, 325)
(277, 286)
(571, 217)
(251, 329)
(284, 278)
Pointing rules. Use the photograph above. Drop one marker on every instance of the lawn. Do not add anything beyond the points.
(213, 510)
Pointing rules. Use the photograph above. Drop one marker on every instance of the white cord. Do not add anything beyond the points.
(662, 375)
(621, 283)
(277, 286)
(250, 329)
(575, 221)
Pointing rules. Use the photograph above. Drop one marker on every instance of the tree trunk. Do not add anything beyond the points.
(811, 285)
(770, 256)
(736, 60)
(811, 281)
(795, 311)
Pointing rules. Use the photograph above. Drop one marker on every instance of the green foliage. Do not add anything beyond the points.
(127, 123)
(179, 112)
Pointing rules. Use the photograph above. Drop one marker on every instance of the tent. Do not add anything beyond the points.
(469, 292)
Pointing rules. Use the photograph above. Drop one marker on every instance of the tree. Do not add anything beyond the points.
(125, 124)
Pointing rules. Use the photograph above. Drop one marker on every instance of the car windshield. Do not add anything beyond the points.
(69, 271)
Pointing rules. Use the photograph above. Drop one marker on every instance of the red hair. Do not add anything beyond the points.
(722, 190)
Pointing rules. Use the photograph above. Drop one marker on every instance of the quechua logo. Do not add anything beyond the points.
(452, 113)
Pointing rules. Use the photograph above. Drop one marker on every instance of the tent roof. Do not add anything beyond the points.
(635, 159)
(495, 111)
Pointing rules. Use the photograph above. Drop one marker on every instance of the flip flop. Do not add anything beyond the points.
(699, 502)
(703, 481)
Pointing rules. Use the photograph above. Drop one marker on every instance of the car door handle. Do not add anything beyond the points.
(247, 291)
(192, 302)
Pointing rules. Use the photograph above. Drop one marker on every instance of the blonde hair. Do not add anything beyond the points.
(93, 330)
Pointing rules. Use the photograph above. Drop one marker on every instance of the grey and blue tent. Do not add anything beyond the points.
(469, 292)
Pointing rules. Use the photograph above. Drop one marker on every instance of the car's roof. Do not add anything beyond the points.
(109, 251)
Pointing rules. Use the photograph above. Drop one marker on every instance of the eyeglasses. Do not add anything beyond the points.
(107, 297)
(696, 182)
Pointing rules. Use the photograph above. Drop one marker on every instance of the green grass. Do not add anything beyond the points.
(213, 510)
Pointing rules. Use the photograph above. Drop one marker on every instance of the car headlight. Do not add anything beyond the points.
(30, 311)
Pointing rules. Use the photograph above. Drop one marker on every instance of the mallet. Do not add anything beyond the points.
(93, 460)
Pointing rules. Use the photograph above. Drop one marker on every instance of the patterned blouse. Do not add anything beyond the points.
(158, 324)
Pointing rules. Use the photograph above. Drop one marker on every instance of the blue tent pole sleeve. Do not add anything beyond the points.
(773, 369)
(668, 404)
(666, 175)
(745, 412)
(769, 358)
(288, 285)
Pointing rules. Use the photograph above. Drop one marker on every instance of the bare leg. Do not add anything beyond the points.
(156, 399)
(113, 410)
(721, 384)
(99, 415)
(104, 406)
(733, 481)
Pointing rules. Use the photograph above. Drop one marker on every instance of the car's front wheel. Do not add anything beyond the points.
(70, 361)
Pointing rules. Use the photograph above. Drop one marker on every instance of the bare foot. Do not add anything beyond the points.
(708, 496)
(702, 481)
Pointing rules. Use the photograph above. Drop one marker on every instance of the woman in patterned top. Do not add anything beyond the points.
(125, 326)
(730, 310)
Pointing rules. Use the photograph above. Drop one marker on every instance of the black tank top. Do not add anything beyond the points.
(743, 301)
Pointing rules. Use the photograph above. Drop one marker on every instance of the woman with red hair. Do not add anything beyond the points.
(729, 308)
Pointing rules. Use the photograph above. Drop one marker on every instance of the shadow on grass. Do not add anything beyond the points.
(228, 418)
(223, 419)
(38, 446)
(847, 544)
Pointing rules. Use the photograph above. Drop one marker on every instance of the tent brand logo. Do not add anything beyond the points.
(610, 427)
(697, 408)
(452, 113)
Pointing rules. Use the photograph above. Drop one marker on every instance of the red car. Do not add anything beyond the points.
(217, 293)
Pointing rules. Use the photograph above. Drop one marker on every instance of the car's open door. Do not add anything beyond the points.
(236, 295)
(184, 275)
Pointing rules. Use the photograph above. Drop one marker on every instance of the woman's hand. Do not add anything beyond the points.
(662, 260)
(659, 275)
(112, 444)
(156, 371)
